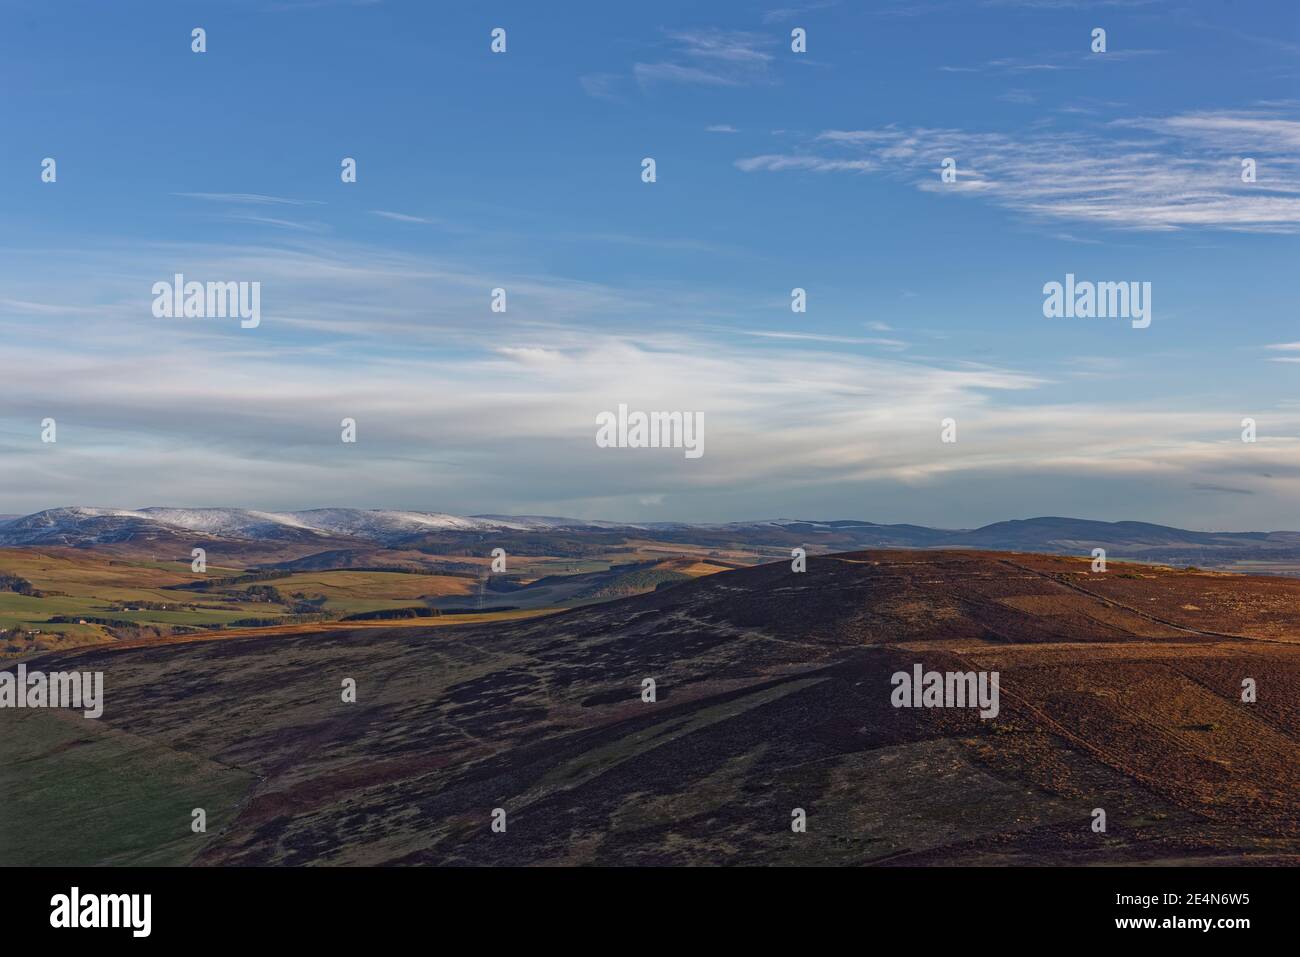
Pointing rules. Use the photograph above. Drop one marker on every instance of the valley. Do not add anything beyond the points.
(88, 575)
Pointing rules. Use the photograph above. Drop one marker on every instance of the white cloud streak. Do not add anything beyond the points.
(1157, 174)
(460, 409)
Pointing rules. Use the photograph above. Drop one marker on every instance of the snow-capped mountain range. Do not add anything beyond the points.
(84, 525)
(323, 529)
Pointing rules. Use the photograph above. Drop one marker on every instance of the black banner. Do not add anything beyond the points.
(333, 906)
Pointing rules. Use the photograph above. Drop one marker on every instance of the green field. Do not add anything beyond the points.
(117, 798)
(85, 585)
(143, 598)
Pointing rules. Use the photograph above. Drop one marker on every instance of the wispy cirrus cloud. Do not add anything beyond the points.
(1071, 4)
(278, 222)
(251, 199)
(712, 57)
(402, 217)
(1143, 173)
(1285, 347)
(1023, 97)
(346, 331)
(453, 411)
(649, 73)
(602, 86)
(707, 57)
(725, 46)
(1050, 62)
(781, 14)
(1258, 130)
(776, 162)
(821, 338)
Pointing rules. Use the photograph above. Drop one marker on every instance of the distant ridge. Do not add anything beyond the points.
(332, 528)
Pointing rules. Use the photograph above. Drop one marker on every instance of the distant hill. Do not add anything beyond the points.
(310, 536)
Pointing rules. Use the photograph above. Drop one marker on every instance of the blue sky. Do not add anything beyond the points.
(775, 170)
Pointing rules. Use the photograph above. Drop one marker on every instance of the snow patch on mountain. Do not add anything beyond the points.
(89, 525)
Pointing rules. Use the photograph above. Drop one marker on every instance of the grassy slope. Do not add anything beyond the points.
(120, 799)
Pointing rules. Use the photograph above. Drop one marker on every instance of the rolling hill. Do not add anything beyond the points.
(1120, 691)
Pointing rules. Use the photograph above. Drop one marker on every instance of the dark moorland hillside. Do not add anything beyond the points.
(1119, 691)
